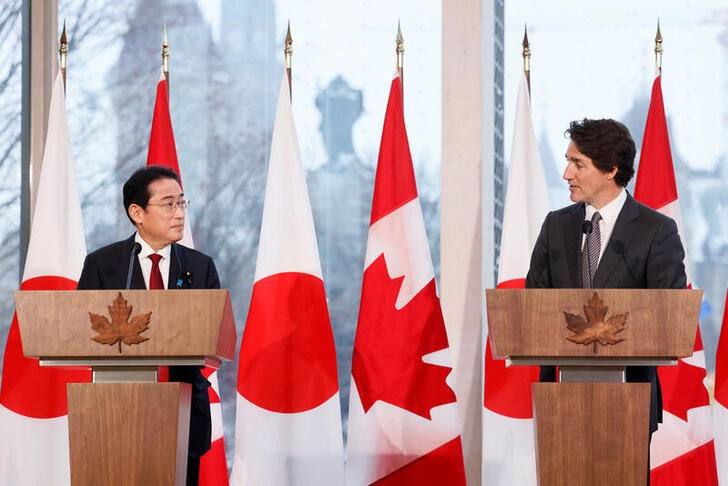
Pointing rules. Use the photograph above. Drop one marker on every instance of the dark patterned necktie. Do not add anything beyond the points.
(590, 259)
(155, 277)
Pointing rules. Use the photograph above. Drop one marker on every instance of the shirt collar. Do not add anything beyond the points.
(147, 250)
(610, 212)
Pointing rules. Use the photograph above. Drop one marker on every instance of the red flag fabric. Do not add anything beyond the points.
(163, 151)
(403, 417)
(33, 413)
(720, 406)
(288, 423)
(508, 437)
(682, 449)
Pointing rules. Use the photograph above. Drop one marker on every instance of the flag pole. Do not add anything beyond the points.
(526, 57)
(400, 54)
(658, 49)
(63, 54)
(165, 55)
(288, 54)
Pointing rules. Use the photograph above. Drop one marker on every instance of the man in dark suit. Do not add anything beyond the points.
(155, 205)
(632, 246)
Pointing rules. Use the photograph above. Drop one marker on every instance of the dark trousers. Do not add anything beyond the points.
(193, 471)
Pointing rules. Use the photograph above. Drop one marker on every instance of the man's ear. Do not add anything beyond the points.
(136, 213)
(612, 173)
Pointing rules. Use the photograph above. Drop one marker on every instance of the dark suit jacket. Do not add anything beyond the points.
(643, 252)
(106, 268)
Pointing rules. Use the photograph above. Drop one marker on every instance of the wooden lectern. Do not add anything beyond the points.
(124, 428)
(592, 428)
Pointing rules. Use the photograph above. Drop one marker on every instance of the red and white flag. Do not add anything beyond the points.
(720, 406)
(403, 417)
(33, 412)
(508, 436)
(288, 429)
(162, 148)
(162, 151)
(682, 449)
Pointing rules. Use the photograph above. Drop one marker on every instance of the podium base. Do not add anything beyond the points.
(128, 433)
(591, 434)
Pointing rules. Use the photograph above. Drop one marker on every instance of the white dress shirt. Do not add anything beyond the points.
(146, 263)
(609, 214)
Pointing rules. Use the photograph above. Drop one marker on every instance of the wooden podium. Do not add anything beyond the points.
(592, 428)
(124, 428)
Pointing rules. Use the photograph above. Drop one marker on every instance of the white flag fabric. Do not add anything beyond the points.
(33, 414)
(508, 435)
(288, 427)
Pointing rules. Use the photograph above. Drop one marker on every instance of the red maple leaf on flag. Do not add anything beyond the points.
(390, 343)
(682, 388)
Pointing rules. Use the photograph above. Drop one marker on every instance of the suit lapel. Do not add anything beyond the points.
(572, 243)
(624, 230)
(174, 268)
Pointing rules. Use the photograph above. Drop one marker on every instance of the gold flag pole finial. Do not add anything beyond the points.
(63, 53)
(165, 53)
(400, 53)
(658, 49)
(288, 53)
(526, 57)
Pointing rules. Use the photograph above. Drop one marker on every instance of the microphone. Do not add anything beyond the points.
(587, 228)
(134, 252)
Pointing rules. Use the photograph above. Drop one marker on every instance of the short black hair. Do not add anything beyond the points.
(136, 188)
(608, 143)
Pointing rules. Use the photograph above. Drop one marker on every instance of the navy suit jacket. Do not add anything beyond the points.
(643, 252)
(106, 268)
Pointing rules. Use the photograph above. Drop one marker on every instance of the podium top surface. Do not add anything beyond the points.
(633, 324)
(126, 324)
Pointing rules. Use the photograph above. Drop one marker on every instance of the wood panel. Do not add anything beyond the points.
(124, 434)
(530, 323)
(591, 434)
(183, 323)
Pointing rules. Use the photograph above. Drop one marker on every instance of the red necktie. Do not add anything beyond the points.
(155, 277)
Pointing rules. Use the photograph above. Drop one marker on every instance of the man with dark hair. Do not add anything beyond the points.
(630, 246)
(155, 205)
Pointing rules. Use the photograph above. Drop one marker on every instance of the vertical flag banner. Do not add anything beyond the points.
(509, 455)
(682, 449)
(162, 148)
(33, 412)
(720, 406)
(403, 416)
(288, 429)
(163, 151)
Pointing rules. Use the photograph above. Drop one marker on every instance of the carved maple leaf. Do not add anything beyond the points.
(387, 364)
(595, 329)
(120, 328)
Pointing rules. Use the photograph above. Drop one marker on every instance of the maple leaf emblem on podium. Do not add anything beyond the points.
(595, 329)
(120, 328)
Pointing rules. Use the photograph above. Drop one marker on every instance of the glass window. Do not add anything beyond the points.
(10, 128)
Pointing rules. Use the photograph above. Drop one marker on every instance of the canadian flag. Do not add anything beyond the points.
(682, 450)
(163, 151)
(288, 428)
(403, 418)
(720, 406)
(508, 436)
(33, 413)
